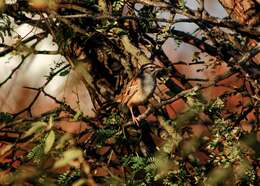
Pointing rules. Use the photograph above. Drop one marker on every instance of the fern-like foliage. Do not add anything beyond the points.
(103, 134)
(66, 178)
(5, 26)
(36, 153)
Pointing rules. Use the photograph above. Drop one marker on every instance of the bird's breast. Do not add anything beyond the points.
(145, 90)
(148, 85)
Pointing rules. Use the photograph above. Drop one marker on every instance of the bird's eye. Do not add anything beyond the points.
(150, 68)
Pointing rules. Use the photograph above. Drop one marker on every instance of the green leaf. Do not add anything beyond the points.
(50, 123)
(77, 115)
(5, 117)
(80, 182)
(35, 127)
(65, 72)
(49, 141)
(181, 5)
(69, 155)
(63, 140)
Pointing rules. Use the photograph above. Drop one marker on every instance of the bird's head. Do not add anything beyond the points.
(150, 68)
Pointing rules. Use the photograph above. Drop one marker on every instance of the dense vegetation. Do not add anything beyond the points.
(105, 42)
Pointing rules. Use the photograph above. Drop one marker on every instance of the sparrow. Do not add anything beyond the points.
(140, 88)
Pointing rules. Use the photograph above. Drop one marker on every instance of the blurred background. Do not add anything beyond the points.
(14, 97)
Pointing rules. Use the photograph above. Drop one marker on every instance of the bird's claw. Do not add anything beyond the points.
(136, 121)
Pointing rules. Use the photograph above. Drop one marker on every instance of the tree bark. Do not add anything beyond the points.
(243, 11)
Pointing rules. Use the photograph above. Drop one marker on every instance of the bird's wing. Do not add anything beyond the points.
(129, 91)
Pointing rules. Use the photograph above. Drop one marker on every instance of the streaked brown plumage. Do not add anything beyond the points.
(140, 88)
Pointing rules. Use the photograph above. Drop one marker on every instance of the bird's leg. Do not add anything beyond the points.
(135, 120)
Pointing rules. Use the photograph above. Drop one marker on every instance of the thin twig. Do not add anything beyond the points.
(14, 70)
(39, 90)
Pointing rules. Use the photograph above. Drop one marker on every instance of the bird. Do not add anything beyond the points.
(140, 88)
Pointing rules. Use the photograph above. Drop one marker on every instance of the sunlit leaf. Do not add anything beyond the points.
(69, 155)
(5, 149)
(6, 179)
(49, 141)
(35, 127)
(80, 182)
(62, 141)
(50, 122)
(85, 168)
(77, 116)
